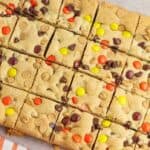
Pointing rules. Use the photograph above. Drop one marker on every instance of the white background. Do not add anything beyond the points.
(142, 6)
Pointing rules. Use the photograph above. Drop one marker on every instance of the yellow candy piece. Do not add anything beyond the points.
(80, 91)
(122, 100)
(106, 123)
(12, 72)
(64, 51)
(9, 111)
(114, 26)
(102, 138)
(126, 34)
(95, 70)
(97, 25)
(88, 18)
(100, 31)
(96, 47)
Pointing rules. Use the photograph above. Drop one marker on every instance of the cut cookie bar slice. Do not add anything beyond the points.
(53, 81)
(90, 94)
(78, 15)
(128, 109)
(66, 47)
(116, 25)
(17, 69)
(103, 62)
(75, 129)
(7, 24)
(136, 77)
(46, 10)
(11, 101)
(31, 36)
(113, 136)
(37, 117)
(141, 43)
(143, 141)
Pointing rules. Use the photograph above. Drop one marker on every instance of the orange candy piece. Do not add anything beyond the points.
(50, 59)
(6, 30)
(33, 3)
(110, 86)
(66, 10)
(145, 127)
(77, 138)
(137, 64)
(71, 19)
(7, 100)
(144, 86)
(37, 101)
(11, 6)
(104, 44)
(74, 100)
(88, 138)
(102, 59)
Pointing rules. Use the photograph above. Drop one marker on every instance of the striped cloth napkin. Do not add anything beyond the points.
(6, 144)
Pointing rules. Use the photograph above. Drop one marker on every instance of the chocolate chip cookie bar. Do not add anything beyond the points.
(90, 94)
(7, 24)
(52, 81)
(31, 37)
(75, 130)
(17, 69)
(46, 10)
(103, 62)
(11, 101)
(141, 43)
(38, 117)
(136, 77)
(66, 50)
(78, 15)
(113, 26)
(113, 136)
(128, 109)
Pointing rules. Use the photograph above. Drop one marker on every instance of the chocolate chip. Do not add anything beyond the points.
(138, 74)
(128, 124)
(37, 49)
(41, 33)
(142, 45)
(66, 120)
(45, 2)
(96, 38)
(146, 67)
(63, 80)
(85, 67)
(12, 60)
(118, 80)
(135, 139)
(76, 64)
(16, 40)
(17, 10)
(72, 47)
(117, 41)
(32, 11)
(58, 128)
(64, 99)
(66, 88)
(75, 117)
(136, 116)
(70, 7)
(58, 108)
(126, 143)
(129, 74)
(44, 10)
(95, 120)
(77, 13)
(114, 48)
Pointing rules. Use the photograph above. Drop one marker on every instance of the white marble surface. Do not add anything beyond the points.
(142, 6)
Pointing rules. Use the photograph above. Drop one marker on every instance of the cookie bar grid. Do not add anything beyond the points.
(75, 70)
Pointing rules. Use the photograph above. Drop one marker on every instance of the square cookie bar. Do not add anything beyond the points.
(143, 141)
(7, 24)
(116, 25)
(53, 81)
(128, 109)
(78, 15)
(37, 117)
(46, 10)
(66, 47)
(11, 101)
(75, 130)
(136, 77)
(31, 36)
(17, 69)
(103, 62)
(113, 136)
(141, 43)
(90, 94)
